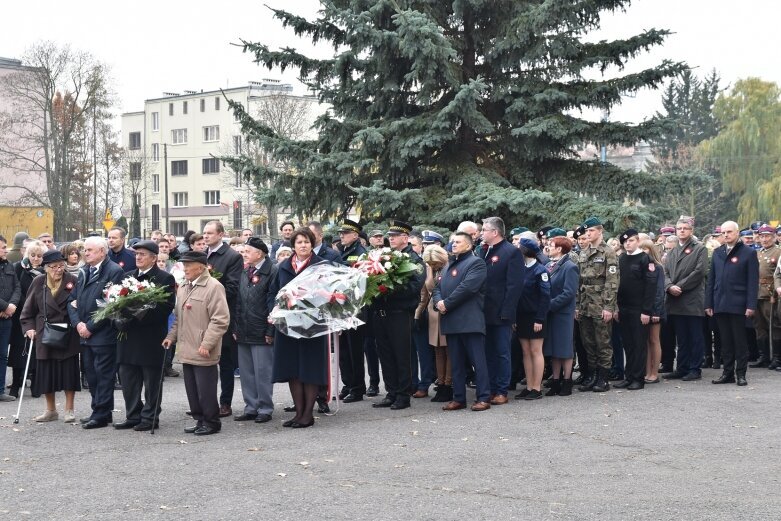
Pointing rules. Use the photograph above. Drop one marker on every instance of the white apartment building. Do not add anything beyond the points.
(172, 167)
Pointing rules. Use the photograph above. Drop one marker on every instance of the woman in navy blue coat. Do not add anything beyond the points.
(658, 315)
(531, 316)
(301, 362)
(564, 279)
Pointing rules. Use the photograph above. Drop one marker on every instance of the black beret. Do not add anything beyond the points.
(257, 242)
(147, 245)
(631, 232)
(193, 256)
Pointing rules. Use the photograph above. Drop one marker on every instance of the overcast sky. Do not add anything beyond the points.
(171, 46)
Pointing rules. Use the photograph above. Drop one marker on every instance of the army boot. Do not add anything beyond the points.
(601, 384)
(588, 382)
(764, 354)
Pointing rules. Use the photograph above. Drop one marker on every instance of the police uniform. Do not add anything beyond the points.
(768, 260)
(598, 287)
(580, 351)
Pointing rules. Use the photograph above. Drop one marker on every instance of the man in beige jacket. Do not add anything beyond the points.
(202, 318)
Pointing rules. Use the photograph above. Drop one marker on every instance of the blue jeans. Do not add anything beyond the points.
(5, 339)
(497, 357)
(100, 363)
(468, 348)
(422, 357)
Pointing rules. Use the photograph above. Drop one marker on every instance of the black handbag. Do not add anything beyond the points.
(54, 336)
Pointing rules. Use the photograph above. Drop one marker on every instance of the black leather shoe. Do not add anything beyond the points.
(127, 424)
(344, 392)
(386, 402)
(263, 418)
(84, 420)
(322, 406)
(296, 425)
(523, 394)
(291, 408)
(675, 375)
(399, 404)
(665, 369)
(690, 377)
(350, 398)
(191, 430)
(635, 386)
(762, 362)
(145, 426)
(205, 430)
(246, 417)
(741, 380)
(95, 424)
(372, 390)
(623, 384)
(724, 379)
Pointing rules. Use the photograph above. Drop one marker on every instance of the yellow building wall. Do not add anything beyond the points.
(32, 220)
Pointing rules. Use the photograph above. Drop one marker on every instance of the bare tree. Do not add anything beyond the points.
(137, 169)
(50, 99)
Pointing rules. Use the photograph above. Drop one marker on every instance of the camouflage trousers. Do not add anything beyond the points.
(595, 335)
(762, 320)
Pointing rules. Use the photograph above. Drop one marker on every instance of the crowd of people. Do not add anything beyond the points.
(490, 309)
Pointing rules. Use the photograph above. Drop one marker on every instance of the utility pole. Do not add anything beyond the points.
(94, 169)
(165, 182)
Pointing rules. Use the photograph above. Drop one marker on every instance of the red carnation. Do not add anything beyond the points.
(123, 292)
(382, 288)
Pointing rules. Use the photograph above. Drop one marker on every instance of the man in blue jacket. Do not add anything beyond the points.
(504, 282)
(98, 338)
(459, 299)
(731, 296)
(117, 253)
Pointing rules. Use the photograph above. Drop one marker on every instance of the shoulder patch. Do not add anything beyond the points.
(651, 266)
(544, 277)
(611, 269)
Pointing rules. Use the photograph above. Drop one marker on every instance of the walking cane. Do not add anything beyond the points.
(159, 391)
(24, 379)
(770, 329)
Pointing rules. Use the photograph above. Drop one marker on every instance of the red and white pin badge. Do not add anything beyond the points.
(687, 251)
(69, 286)
(734, 260)
(121, 264)
(495, 259)
(255, 279)
(454, 272)
(651, 267)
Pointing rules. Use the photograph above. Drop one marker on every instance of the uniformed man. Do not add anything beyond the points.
(579, 235)
(596, 304)
(768, 258)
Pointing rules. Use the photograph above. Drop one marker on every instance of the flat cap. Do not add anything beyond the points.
(193, 256)
(150, 246)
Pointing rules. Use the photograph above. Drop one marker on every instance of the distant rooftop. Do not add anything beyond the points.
(10, 63)
(265, 85)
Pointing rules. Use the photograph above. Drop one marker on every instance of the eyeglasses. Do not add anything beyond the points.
(56, 267)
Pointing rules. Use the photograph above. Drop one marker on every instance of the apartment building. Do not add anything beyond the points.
(173, 174)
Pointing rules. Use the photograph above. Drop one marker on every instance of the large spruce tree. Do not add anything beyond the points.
(442, 111)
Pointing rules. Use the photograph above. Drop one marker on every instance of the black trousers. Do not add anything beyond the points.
(751, 341)
(200, 383)
(667, 340)
(734, 346)
(634, 338)
(351, 361)
(393, 332)
(580, 350)
(229, 361)
(134, 377)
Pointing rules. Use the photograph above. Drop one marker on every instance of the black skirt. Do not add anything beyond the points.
(524, 327)
(57, 375)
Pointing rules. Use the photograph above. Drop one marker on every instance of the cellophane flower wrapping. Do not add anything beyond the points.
(323, 299)
(387, 271)
(129, 299)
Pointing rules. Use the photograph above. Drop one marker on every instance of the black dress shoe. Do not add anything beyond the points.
(205, 430)
(288, 423)
(344, 392)
(350, 398)
(741, 380)
(386, 402)
(635, 386)
(665, 369)
(623, 384)
(399, 404)
(145, 426)
(84, 420)
(724, 379)
(690, 377)
(372, 390)
(263, 418)
(191, 430)
(245, 417)
(127, 424)
(291, 408)
(675, 375)
(296, 425)
(95, 424)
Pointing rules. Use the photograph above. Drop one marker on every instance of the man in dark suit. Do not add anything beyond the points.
(731, 297)
(503, 286)
(228, 262)
(140, 354)
(459, 298)
(320, 248)
(99, 338)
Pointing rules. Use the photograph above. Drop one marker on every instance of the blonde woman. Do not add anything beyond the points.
(658, 315)
(436, 259)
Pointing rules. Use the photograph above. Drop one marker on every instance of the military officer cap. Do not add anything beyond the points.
(746, 233)
(399, 228)
(257, 243)
(778, 229)
(542, 233)
(766, 229)
(530, 245)
(150, 246)
(631, 232)
(756, 225)
(376, 233)
(579, 231)
(667, 230)
(349, 226)
(430, 237)
(717, 230)
(518, 230)
(556, 232)
(591, 222)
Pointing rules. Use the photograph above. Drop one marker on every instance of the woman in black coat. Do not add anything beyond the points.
(26, 270)
(301, 362)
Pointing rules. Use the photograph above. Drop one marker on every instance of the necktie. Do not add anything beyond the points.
(92, 271)
(250, 272)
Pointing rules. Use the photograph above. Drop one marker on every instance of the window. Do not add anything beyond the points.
(211, 198)
(238, 180)
(155, 152)
(155, 216)
(135, 141)
(155, 121)
(211, 165)
(178, 228)
(237, 217)
(170, 109)
(203, 105)
(135, 171)
(179, 167)
(211, 133)
(217, 103)
(184, 107)
(180, 199)
(204, 222)
(179, 136)
(156, 186)
(237, 145)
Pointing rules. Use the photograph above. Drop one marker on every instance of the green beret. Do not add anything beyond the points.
(517, 231)
(591, 222)
(556, 232)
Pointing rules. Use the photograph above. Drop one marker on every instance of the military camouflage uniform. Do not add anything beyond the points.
(598, 289)
(768, 260)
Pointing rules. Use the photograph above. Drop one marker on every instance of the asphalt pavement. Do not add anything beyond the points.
(676, 450)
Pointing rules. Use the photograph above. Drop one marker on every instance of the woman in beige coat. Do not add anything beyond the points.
(202, 317)
(436, 259)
